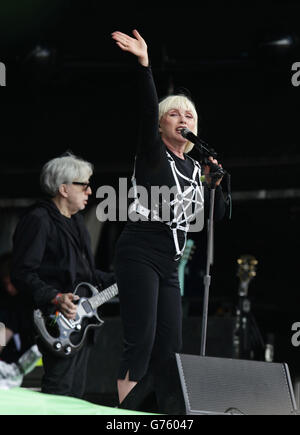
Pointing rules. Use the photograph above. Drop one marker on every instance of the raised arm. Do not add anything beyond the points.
(148, 101)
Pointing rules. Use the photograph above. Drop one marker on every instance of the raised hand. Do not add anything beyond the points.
(137, 45)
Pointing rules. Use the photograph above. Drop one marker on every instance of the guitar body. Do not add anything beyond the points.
(63, 336)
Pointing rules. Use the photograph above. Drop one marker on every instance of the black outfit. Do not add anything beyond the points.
(145, 265)
(52, 255)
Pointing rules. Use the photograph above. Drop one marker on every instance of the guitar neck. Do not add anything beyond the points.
(181, 271)
(183, 261)
(103, 296)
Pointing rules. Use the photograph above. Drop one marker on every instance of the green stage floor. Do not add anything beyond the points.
(21, 401)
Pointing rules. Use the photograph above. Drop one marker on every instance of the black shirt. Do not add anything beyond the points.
(152, 165)
(150, 241)
(51, 253)
(83, 268)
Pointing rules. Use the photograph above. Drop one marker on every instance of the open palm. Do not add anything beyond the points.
(136, 45)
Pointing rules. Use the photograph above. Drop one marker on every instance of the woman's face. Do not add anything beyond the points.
(172, 122)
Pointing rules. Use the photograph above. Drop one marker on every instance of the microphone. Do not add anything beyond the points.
(189, 135)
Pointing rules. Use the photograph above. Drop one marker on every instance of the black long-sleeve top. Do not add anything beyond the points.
(51, 255)
(150, 241)
(152, 165)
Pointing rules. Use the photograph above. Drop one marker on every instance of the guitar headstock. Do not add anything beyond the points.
(246, 269)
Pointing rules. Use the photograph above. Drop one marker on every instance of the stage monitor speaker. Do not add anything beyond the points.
(231, 386)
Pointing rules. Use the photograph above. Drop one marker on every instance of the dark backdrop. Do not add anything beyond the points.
(69, 87)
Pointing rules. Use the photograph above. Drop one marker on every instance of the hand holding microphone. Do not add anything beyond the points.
(213, 170)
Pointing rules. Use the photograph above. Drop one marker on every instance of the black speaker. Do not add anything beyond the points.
(231, 386)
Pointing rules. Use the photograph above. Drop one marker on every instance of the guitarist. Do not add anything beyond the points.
(52, 254)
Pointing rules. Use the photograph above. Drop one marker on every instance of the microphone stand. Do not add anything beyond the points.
(217, 173)
(215, 176)
(207, 277)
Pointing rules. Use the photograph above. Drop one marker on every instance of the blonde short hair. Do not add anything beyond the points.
(179, 102)
(64, 170)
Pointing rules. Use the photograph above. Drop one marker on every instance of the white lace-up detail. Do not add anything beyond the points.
(186, 204)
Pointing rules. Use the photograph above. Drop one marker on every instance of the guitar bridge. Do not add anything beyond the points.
(70, 323)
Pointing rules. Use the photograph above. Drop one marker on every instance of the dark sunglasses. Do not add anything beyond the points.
(85, 185)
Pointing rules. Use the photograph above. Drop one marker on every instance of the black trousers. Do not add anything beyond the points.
(151, 316)
(65, 376)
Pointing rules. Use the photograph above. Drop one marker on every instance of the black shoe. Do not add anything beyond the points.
(142, 397)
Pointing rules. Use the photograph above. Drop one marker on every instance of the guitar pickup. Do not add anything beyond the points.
(87, 306)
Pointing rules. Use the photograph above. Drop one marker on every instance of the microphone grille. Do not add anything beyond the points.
(185, 132)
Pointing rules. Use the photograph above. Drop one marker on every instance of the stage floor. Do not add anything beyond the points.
(23, 401)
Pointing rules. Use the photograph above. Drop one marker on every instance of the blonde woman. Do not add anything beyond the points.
(148, 250)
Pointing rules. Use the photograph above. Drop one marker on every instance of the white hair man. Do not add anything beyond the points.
(52, 254)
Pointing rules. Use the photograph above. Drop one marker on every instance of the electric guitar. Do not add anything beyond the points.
(63, 336)
(186, 256)
(246, 272)
(241, 341)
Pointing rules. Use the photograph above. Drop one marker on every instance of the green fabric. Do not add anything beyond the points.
(20, 401)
